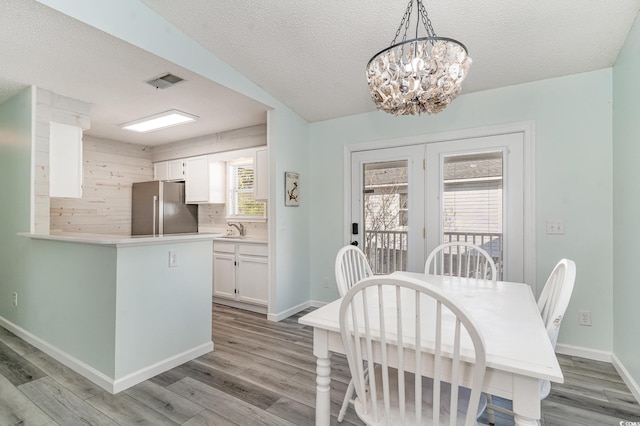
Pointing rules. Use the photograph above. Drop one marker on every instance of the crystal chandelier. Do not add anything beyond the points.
(420, 74)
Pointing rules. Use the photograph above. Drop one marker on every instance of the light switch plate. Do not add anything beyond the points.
(173, 259)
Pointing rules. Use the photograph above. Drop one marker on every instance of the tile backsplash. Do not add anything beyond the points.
(212, 218)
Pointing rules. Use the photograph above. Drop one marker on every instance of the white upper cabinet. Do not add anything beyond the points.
(261, 175)
(196, 188)
(205, 176)
(205, 179)
(65, 161)
(161, 170)
(176, 169)
(217, 181)
(169, 170)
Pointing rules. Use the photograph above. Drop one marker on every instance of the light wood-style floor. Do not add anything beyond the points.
(261, 373)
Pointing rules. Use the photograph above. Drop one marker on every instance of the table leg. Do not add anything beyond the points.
(526, 401)
(523, 421)
(323, 401)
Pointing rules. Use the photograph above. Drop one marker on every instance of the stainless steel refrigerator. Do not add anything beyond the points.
(158, 208)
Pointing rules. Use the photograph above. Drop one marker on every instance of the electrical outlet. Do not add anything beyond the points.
(584, 318)
(173, 259)
(15, 298)
(555, 227)
(325, 282)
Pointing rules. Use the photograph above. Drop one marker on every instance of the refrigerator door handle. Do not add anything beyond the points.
(155, 213)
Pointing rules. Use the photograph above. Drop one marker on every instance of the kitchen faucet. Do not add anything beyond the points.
(238, 226)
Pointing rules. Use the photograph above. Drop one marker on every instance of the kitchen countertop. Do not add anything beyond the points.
(123, 240)
(245, 239)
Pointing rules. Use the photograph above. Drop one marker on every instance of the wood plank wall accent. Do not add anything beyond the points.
(247, 137)
(60, 109)
(110, 169)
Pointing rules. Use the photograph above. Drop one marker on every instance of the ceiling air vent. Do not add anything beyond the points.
(165, 81)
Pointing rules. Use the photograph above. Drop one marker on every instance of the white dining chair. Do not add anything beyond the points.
(382, 318)
(461, 259)
(552, 304)
(351, 267)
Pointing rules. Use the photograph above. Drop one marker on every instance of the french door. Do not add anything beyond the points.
(407, 200)
(387, 200)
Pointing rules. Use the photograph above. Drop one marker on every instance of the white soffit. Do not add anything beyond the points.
(48, 49)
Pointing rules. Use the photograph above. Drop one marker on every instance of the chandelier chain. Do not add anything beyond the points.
(404, 23)
(425, 20)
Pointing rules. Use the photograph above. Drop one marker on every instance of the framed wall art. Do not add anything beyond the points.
(292, 189)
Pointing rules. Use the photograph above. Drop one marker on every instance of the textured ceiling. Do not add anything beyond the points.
(309, 55)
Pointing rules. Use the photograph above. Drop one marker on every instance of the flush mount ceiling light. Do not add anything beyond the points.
(160, 121)
(423, 74)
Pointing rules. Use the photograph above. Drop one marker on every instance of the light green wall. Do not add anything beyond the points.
(162, 311)
(117, 310)
(15, 190)
(290, 225)
(626, 203)
(135, 23)
(573, 139)
(30, 268)
(69, 298)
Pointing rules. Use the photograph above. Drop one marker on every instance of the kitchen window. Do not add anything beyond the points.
(241, 204)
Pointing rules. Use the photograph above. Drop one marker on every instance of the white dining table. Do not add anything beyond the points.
(519, 353)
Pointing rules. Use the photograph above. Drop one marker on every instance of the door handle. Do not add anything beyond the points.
(354, 243)
(155, 213)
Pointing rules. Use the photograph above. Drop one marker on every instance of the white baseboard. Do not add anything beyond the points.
(317, 303)
(160, 367)
(287, 313)
(105, 382)
(292, 311)
(604, 356)
(593, 354)
(241, 305)
(97, 377)
(624, 373)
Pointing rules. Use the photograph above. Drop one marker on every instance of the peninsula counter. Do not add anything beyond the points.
(117, 309)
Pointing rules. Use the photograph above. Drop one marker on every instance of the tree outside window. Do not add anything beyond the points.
(241, 204)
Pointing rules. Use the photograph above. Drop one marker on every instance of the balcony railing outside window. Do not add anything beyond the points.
(386, 251)
(491, 242)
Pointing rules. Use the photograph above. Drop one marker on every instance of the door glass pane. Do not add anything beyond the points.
(386, 215)
(472, 202)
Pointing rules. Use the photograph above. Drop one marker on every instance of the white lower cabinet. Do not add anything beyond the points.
(240, 274)
(224, 275)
